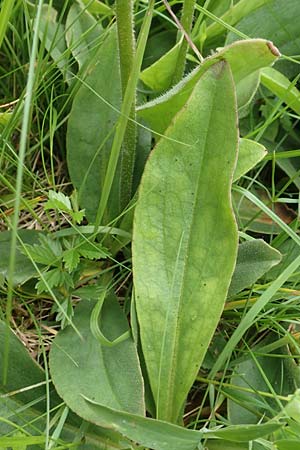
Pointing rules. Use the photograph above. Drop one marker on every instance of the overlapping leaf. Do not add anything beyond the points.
(82, 366)
(245, 58)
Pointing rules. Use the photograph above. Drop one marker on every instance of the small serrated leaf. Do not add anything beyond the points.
(58, 201)
(47, 252)
(78, 216)
(92, 250)
(71, 259)
(52, 278)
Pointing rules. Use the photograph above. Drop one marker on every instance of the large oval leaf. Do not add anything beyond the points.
(90, 128)
(185, 238)
(109, 375)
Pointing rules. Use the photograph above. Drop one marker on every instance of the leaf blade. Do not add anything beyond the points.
(84, 367)
(189, 204)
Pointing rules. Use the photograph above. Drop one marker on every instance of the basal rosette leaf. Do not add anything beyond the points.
(185, 238)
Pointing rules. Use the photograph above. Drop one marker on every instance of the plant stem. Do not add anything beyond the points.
(186, 21)
(124, 115)
(126, 40)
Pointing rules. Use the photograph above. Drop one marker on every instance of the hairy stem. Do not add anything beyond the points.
(126, 41)
(186, 21)
(129, 97)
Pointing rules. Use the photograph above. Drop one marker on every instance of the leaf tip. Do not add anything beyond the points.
(274, 50)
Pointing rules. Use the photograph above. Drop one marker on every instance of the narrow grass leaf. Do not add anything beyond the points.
(251, 316)
(52, 35)
(22, 441)
(251, 217)
(271, 374)
(287, 444)
(185, 239)
(126, 109)
(246, 433)
(257, 202)
(19, 178)
(83, 33)
(282, 87)
(6, 10)
(234, 14)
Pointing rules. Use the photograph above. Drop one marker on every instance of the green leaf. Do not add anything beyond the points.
(51, 34)
(24, 269)
(159, 75)
(47, 252)
(92, 250)
(23, 371)
(90, 128)
(250, 153)
(155, 434)
(185, 239)
(254, 259)
(94, 325)
(290, 250)
(97, 7)
(5, 118)
(109, 375)
(21, 442)
(281, 86)
(246, 433)
(50, 279)
(27, 379)
(251, 217)
(78, 216)
(83, 33)
(292, 409)
(233, 15)
(246, 89)
(287, 444)
(58, 201)
(276, 21)
(244, 57)
(276, 373)
(159, 435)
(220, 444)
(71, 259)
